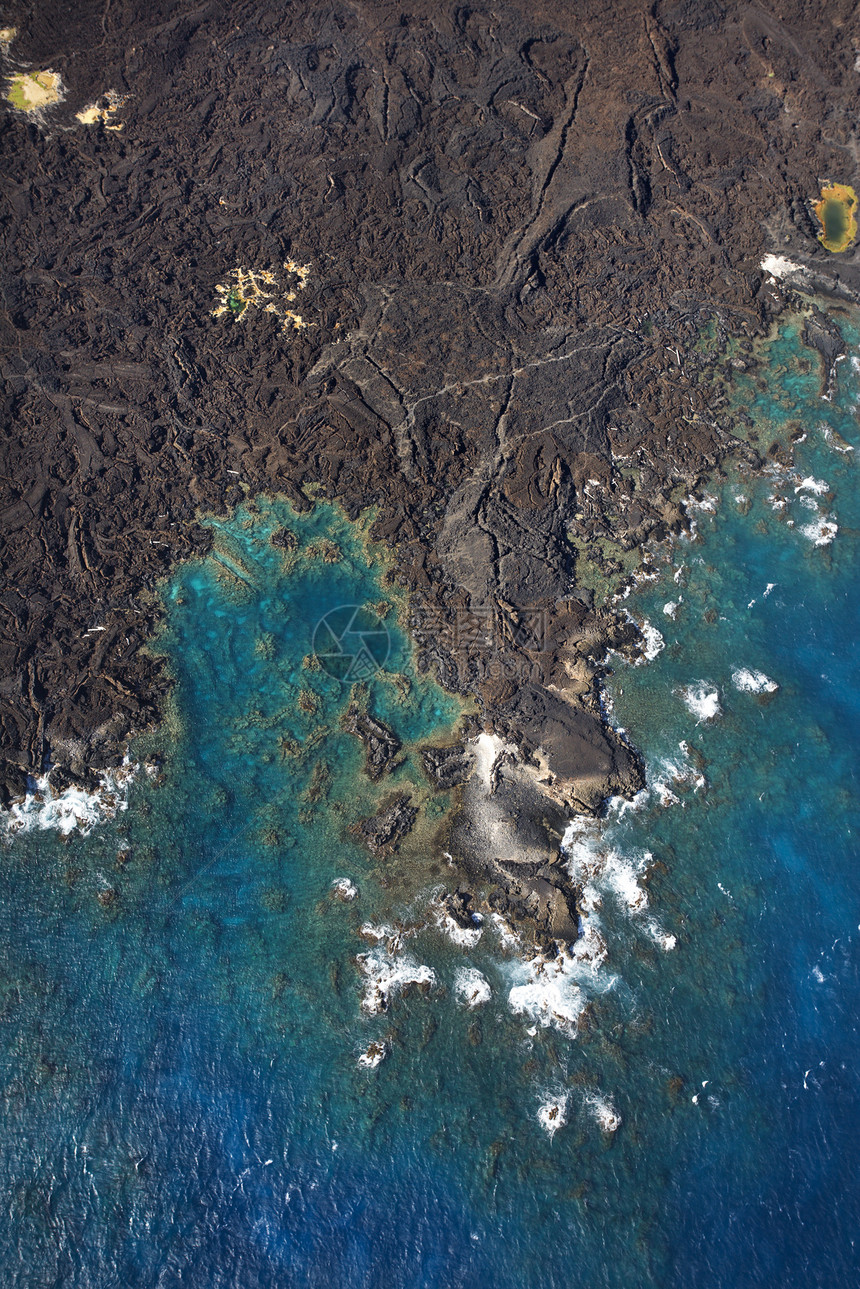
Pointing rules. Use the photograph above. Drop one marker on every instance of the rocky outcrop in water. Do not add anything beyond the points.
(381, 745)
(384, 831)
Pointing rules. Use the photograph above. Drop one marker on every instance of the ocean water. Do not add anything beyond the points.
(201, 1086)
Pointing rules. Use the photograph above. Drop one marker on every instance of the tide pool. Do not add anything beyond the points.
(199, 1086)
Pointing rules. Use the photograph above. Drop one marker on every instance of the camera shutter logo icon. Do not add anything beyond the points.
(351, 642)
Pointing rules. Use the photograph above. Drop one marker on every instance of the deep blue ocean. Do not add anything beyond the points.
(200, 1084)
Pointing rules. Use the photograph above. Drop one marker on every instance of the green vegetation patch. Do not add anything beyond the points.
(31, 91)
(603, 565)
(264, 289)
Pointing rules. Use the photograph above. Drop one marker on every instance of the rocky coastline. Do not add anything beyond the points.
(504, 236)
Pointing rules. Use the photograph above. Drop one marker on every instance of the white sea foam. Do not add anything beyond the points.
(590, 947)
(821, 530)
(618, 807)
(591, 900)
(707, 505)
(383, 931)
(604, 1112)
(670, 608)
(673, 776)
(622, 875)
(581, 844)
(639, 578)
(552, 1114)
(373, 1055)
(765, 593)
(665, 939)
(553, 989)
(343, 889)
(753, 682)
(73, 808)
(654, 642)
(702, 700)
(471, 987)
(387, 974)
(550, 991)
(665, 795)
(508, 937)
(466, 937)
(592, 863)
(818, 486)
(837, 443)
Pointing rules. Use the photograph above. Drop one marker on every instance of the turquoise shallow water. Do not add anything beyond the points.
(181, 997)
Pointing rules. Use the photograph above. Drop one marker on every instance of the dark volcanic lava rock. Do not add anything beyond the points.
(821, 333)
(284, 539)
(381, 744)
(515, 223)
(578, 744)
(543, 896)
(384, 831)
(446, 766)
(458, 906)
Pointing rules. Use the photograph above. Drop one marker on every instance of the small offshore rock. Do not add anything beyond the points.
(383, 832)
(381, 744)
